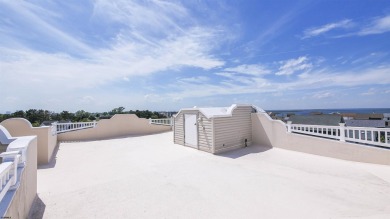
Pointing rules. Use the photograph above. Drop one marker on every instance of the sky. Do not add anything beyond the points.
(167, 55)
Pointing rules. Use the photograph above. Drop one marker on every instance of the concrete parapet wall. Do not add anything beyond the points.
(23, 197)
(119, 125)
(46, 141)
(273, 133)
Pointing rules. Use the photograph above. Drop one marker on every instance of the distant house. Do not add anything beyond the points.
(366, 123)
(48, 123)
(324, 119)
(316, 113)
(386, 118)
(348, 116)
(373, 116)
(276, 116)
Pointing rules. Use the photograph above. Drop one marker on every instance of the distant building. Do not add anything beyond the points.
(48, 123)
(366, 123)
(324, 119)
(386, 118)
(348, 116)
(373, 116)
(167, 114)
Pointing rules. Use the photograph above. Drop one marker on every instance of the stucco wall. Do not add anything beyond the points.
(273, 133)
(46, 141)
(119, 125)
(24, 196)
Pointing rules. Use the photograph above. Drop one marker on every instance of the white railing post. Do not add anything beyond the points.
(54, 128)
(342, 132)
(289, 126)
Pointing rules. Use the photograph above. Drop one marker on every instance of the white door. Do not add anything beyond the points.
(190, 130)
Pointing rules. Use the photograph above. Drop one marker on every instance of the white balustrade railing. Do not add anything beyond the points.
(374, 136)
(317, 130)
(9, 171)
(6, 177)
(364, 135)
(72, 126)
(168, 122)
(15, 157)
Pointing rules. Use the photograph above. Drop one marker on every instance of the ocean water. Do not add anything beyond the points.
(330, 111)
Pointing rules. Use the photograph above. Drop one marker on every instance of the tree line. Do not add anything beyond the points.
(38, 116)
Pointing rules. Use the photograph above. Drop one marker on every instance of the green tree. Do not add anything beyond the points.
(81, 115)
(32, 115)
(66, 115)
(119, 110)
(19, 114)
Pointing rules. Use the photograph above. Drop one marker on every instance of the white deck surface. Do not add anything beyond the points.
(150, 177)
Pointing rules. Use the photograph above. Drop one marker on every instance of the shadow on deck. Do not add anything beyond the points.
(253, 149)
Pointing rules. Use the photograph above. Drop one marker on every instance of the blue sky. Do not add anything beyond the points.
(166, 55)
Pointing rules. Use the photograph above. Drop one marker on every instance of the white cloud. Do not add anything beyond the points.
(87, 100)
(154, 98)
(255, 70)
(233, 77)
(198, 79)
(377, 26)
(370, 58)
(152, 39)
(368, 93)
(293, 65)
(40, 23)
(323, 95)
(315, 81)
(315, 31)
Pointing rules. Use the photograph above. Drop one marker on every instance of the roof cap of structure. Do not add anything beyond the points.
(211, 112)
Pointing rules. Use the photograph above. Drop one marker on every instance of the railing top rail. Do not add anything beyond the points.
(368, 128)
(314, 126)
(69, 123)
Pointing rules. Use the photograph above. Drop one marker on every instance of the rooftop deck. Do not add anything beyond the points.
(150, 177)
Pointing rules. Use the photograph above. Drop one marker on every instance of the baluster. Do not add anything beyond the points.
(372, 136)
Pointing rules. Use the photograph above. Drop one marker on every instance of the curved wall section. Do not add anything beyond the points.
(120, 125)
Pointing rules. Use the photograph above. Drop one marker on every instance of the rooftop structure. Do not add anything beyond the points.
(215, 129)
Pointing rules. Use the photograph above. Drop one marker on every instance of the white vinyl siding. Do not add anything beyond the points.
(179, 129)
(231, 132)
(205, 133)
